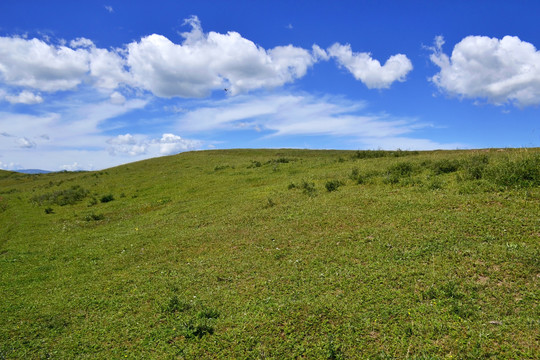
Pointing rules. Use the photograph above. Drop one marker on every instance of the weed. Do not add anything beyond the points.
(398, 171)
(308, 188)
(62, 197)
(270, 203)
(208, 313)
(49, 210)
(107, 198)
(520, 173)
(176, 305)
(254, 164)
(197, 328)
(332, 185)
(475, 166)
(445, 166)
(94, 217)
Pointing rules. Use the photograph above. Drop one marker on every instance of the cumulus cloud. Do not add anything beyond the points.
(168, 144)
(369, 70)
(35, 64)
(38, 65)
(501, 71)
(205, 62)
(24, 97)
(171, 144)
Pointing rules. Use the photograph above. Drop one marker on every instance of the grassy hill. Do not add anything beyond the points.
(275, 254)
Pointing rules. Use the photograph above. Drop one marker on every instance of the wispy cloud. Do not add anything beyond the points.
(307, 115)
(109, 8)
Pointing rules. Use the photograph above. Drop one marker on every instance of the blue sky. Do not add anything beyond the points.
(90, 85)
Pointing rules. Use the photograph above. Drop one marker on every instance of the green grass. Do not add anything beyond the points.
(275, 254)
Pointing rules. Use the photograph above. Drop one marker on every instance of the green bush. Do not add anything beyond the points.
(519, 173)
(107, 198)
(475, 167)
(445, 166)
(332, 185)
(94, 217)
(62, 197)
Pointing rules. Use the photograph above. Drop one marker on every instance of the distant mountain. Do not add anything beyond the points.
(33, 171)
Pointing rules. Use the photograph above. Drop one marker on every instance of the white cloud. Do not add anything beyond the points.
(10, 166)
(501, 71)
(38, 65)
(301, 115)
(168, 144)
(24, 97)
(25, 143)
(72, 167)
(207, 62)
(109, 8)
(117, 98)
(369, 70)
(171, 144)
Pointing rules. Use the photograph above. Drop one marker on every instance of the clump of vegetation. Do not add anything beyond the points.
(372, 154)
(270, 203)
(49, 210)
(107, 198)
(254, 164)
(445, 166)
(522, 173)
(475, 167)
(332, 185)
(94, 217)
(398, 171)
(197, 328)
(221, 167)
(176, 305)
(62, 197)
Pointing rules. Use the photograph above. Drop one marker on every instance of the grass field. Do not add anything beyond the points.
(275, 254)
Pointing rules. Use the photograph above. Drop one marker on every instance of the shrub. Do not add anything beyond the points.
(308, 188)
(398, 171)
(95, 217)
(332, 185)
(107, 198)
(475, 166)
(445, 166)
(520, 173)
(62, 197)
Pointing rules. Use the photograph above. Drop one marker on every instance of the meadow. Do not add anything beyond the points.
(275, 254)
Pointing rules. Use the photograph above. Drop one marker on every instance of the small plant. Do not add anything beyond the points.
(332, 185)
(270, 203)
(221, 167)
(445, 166)
(308, 188)
(254, 164)
(208, 314)
(475, 167)
(49, 210)
(62, 197)
(93, 201)
(199, 328)
(107, 198)
(176, 305)
(291, 186)
(94, 217)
